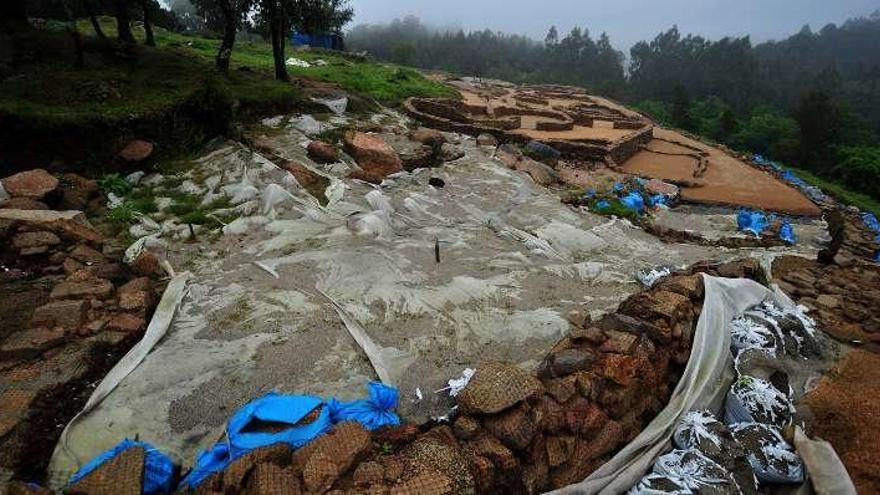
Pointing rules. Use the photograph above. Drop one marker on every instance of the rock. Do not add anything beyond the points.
(76, 192)
(620, 342)
(419, 157)
(430, 137)
(657, 186)
(437, 182)
(32, 342)
(35, 239)
(542, 151)
(34, 184)
(569, 361)
(559, 449)
(513, 427)
(98, 288)
(589, 334)
(127, 323)
(466, 428)
(24, 204)
(135, 301)
(661, 308)
(4, 196)
(322, 152)
(87, 255)
(829, 302)
(450, 152)
(306, 177)
(67, 314)
(136, 151)
(71, 225)
(625, 323)
(135, 178)
(495, 387)
(584, 418)
(542, 174)
(146, 264)
(620, 369)
(272, 479)
(121, 475)
(687, 285)
(375, 157)
(486, 140)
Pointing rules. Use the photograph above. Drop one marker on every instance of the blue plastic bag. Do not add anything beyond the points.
(158, 468)
(373, 413)
(276, 408)
(590, 194)
(657, 200)
(871, 221)
(603, 205)
(617, 187)
(786, 233)
(634, 202)
(759, 159)
(751, 221)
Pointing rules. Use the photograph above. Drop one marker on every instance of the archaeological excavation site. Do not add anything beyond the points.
(512, 289)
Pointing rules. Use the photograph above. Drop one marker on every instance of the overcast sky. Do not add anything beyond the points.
(627, 21)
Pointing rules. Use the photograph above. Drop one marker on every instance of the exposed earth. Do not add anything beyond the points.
(335, 249)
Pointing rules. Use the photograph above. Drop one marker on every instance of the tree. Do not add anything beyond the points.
(123, 25)
(552, 38)
(276, 14)
(231, 14)
(321, 16)
(93, 18)
(819, 121)
(681, 109)
(148, 27)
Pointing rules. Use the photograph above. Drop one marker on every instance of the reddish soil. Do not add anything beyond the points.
(841, 411)
(726, 181)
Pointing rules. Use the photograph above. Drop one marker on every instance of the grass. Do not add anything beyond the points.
(841, 193)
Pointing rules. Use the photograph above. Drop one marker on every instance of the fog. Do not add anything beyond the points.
(626, 21)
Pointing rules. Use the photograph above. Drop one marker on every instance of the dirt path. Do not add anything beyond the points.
(726, 181)
(845, 410)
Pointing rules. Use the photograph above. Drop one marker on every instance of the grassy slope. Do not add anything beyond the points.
(49, 88)
(841, 193)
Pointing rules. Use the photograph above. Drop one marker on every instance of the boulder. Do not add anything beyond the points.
(87, 255)
(34, 184)
(305, 176)
(540, 173)
(375, 157)
(77, 192)
(24, 204)
(67, 314)
(430, 137)
(97, 288)
(486, 140)
(419, 157)
(657, 186)
(496, 387)
(32, 342)
(322, 152)
(450, 152)
(136, 151)
(543, 151)
(127, 323)
(66, 224)
(35, 239)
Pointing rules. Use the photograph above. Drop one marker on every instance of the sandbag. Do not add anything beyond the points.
(702, 431)
(773, 459)
(754, 400)
(693, 471)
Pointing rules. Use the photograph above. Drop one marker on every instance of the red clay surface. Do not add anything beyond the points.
(727, 180)
(846, 412)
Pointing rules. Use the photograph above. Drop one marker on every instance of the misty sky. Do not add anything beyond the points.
(627, 21)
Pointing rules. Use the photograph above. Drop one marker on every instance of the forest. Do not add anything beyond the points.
(811, 100)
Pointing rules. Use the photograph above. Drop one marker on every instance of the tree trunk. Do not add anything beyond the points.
(277, 27)
(148, 27)
(123, 26)
(229, 28)
(96, 26)
(74, 33)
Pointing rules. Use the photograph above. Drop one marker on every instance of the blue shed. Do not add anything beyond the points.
(328, 41)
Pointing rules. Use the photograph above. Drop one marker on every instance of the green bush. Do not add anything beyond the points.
(858, 167)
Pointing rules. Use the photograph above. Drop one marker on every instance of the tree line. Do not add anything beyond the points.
(812, 99)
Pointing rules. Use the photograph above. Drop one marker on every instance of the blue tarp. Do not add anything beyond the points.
(375, 412)
(751, 221)
(158, 468)
(328, 41)
(871, 221)
(634, 202)
(786, 233)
